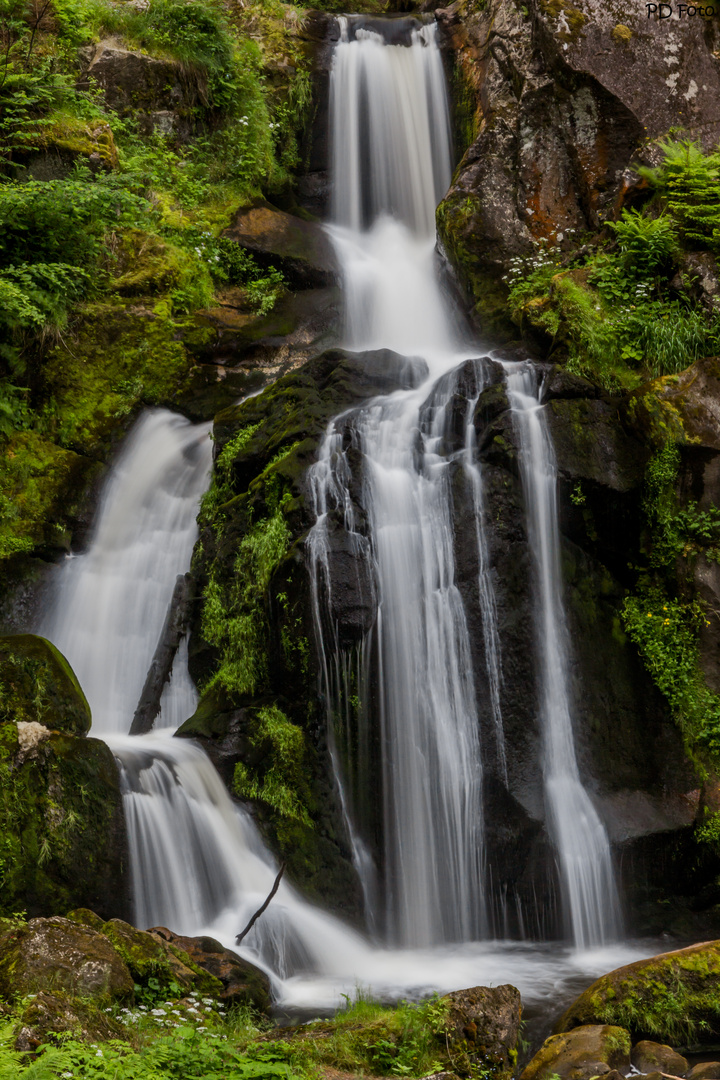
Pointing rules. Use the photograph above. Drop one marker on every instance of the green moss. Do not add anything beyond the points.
(281, 783)
(38, 685)
(570, 19)
(39, 482)
(120, 356)
(78, 137)
(61, 825)
(673, 998)
(147, 265)
(234, 617)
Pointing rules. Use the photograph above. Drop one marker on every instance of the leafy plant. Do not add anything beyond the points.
(689, 182)
(646, 243)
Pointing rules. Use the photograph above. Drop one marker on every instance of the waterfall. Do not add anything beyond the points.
(402, 691)
(111, 601)
(582, 844)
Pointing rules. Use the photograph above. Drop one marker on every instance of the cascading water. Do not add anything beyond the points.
(198, 862)
(111, 602)
(582, 843)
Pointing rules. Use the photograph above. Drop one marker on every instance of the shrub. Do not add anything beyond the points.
(646, 243)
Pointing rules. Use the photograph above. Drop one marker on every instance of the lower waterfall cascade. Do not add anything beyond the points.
(198, 862)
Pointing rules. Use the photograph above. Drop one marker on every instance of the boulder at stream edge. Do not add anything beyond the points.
(674, 997)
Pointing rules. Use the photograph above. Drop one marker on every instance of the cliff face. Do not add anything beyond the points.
(565, 101)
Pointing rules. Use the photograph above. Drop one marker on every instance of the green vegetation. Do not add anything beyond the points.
(106, 259)
(180, 1040)
(609, 309)
(194, 1037)
(283, 784)
(367, 1038)
(235, 618)
(663, 617)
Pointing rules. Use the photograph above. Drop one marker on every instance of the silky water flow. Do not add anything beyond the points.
(198, 863)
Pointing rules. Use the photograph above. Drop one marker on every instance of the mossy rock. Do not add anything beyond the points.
(121, 356)
(55, 954)
(229, 977)
(62, 823)
(580, 1054)
(40, 488)
(144, 956)
(86, 917)
(673, 997)
(39, 686)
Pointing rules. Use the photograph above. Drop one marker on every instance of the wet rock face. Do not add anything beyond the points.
(642, 785)
(564, 96)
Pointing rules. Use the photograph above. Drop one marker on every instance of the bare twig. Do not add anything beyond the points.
(260, 910)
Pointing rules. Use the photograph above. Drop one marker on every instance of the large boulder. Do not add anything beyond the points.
(674, 996)
(483, 1027)
(301, 249)
(238, 981)
(37, 685)
(62, 822)
(586, 1052)
(57, 954)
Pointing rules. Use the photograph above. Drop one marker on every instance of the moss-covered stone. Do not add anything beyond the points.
(86, 917)
(40, 488)
(221, 972)
(37, 685)
(120, 356)
(62, 828)
(673, 997)
(143, 955)
(58, 954)
(580, 1054)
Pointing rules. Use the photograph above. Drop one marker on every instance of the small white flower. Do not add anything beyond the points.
(99, 1053)
(207, 1001)
(158, 1012)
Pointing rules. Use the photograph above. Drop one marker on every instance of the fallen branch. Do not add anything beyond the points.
(260, 910)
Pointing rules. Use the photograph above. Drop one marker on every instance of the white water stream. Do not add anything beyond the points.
(198, 863)
(582, 843)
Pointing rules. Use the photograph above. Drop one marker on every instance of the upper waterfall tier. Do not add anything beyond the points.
(389, 127)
